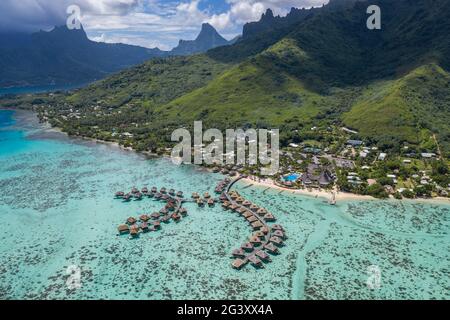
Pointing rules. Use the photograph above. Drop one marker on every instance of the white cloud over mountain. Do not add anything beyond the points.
(161, 22)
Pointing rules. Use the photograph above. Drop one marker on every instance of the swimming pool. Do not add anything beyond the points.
(292, 177)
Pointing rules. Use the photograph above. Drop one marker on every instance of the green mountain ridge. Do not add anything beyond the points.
(392, 85)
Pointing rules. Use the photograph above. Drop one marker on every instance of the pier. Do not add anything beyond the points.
(172, 211)
(265, 240)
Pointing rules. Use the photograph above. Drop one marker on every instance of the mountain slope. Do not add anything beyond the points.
(326, 68)
(64, 56)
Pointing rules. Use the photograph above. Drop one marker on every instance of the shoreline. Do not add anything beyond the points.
(339, 196)
(268, 183)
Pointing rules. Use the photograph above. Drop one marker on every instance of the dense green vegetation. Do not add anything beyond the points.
(321, 69)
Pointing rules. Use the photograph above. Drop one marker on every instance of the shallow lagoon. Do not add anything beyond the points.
(57, 210)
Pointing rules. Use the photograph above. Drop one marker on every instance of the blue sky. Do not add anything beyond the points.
(148, 23)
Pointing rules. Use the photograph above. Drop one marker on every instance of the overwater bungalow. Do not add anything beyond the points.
(265, 230)
(255, 241)
(246, 203)
(120, 194)
(144, 218)
(252, 219)
(226, 205)
(158, 196)
(150, 194)
(195, 195)
(233, 196)
(200, 203)
(238, 264)
(238, 253)
(271, 248)
(155, 215)
(138, 196)
(123, 229)
(180, 194)
(259, 234)
(165, 219)
(206, 195)
(134, 231)
(255, 261)
(263, 255)
(144, 227)
(257, 225)
(211, 202)
(261, 212)
(176, 217)
(276, 241)
(240, 200)
(154, 190)
(157, 225)
(170, 206)
(165, 197)
(127, 197)
(163, 190)
(248, 247)
(183, 212)
(240, 210)
(163, 211)
(254, 207)
(172, 192)
(223, 197)
(131, 221)
(277, 227)
(280, 234)
(134, 190)
(269, 218)
(144, 190)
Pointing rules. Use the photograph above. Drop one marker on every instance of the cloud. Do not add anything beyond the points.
(142, 22)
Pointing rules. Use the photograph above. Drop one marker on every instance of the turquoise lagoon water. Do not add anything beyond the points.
(56, 211)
